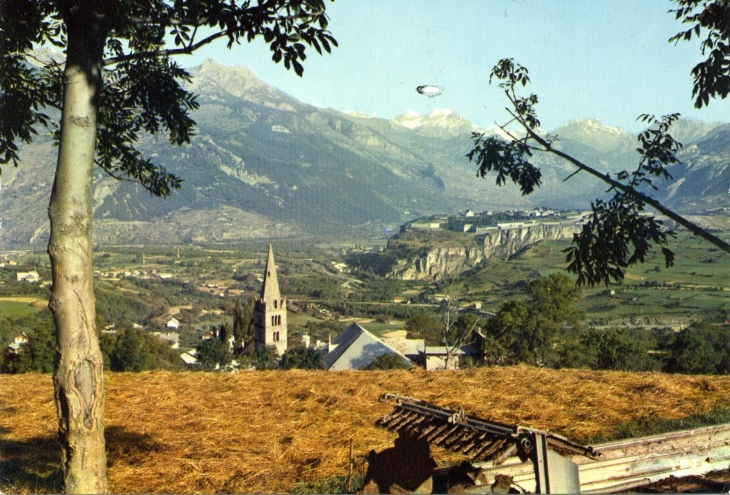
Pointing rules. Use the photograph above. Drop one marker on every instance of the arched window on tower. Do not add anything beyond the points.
(274, 303)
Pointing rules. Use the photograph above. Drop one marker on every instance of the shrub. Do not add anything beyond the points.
(387, 362)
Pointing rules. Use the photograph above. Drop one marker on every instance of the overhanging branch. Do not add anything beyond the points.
(692, 227)
(167, 52)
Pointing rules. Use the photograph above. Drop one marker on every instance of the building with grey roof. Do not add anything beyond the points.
(354, 348)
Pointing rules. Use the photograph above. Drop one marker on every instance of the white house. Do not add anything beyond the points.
(30, 277)
(188, 358)
(354, 348)
(173, 323)
(18, 340)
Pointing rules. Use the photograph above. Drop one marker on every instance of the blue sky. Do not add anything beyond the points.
(608, 60)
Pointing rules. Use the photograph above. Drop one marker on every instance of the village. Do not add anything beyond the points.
(353, 348)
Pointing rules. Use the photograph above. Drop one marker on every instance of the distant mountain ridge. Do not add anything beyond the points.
(265, 165)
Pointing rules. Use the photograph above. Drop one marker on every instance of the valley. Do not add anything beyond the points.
(337, 281)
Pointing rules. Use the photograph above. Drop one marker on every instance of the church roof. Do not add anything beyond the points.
(356, 347)
(270, 288)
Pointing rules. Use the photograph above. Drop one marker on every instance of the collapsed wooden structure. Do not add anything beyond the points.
(505, 458)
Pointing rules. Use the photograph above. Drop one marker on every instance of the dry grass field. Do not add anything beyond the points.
(266, 431)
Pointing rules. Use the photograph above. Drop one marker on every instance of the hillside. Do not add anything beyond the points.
(263, 432)
(265, 165)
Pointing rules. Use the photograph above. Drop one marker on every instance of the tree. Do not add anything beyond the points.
(423, 326)
(302, 358)
(387, 361)
(265, 358)
(614, 349)
(455, 330)
(225, 332)
(242, 324)
(118, 81)
(238, 326)
(619, 234)
(130, 352)
(700, 349)
(526, 331)
(135, 350)
(213, 353)
(712, 76)
(34, 355)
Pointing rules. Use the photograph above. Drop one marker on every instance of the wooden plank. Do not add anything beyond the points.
(631, 463)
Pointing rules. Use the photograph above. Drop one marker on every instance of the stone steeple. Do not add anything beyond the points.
(269, 316)
(270, 288)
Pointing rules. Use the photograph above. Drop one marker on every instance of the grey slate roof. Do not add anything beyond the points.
(357, 347)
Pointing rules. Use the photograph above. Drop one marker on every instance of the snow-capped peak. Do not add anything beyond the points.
(439, 117)
(441, 112)
(593, 125)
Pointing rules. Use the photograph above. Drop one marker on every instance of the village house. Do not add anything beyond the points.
(434, 357)
(173, 323)
(172, 337)
(354, 348)
(18, 340)
(30, 277)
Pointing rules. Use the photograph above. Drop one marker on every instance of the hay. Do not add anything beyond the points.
(267, 431)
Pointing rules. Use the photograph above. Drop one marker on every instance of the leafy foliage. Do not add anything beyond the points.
(302, 358)
(37, 354)
(614, 349)
(264, 358)
(620, 233)
(136, 350)
(700, 349)
(711, 76)
(527, 331)
(213, 352)
(142, 90)
(423, 326)
(386, 362)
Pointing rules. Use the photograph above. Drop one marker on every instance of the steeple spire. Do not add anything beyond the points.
(269, 313)
(270, 288)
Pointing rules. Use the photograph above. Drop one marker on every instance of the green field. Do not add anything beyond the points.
(17, 308)
(697, 286)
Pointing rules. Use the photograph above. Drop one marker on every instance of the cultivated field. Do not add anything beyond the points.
(269, 431)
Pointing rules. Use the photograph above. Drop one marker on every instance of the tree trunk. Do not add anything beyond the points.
(78, 375)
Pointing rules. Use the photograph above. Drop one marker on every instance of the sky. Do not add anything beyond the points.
(604, 59)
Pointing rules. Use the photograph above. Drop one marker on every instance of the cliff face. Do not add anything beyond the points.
(504, 243)
(438, 262)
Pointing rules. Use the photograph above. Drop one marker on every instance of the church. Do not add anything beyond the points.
(269, 317)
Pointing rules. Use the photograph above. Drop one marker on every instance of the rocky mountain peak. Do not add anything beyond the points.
(596, 134)
(239, 81)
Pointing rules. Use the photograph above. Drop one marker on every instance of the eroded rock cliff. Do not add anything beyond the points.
(438, 260)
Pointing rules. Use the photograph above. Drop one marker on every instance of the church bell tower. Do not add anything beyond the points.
(269, 314)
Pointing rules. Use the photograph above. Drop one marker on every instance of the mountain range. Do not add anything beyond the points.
(265, 165)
